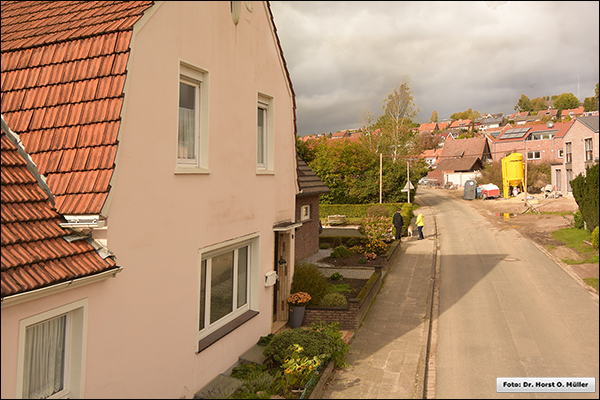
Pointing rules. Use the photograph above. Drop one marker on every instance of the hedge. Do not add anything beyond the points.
(354, 210)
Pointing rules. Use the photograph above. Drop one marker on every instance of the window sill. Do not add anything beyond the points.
(225, 330)
(191, 170)
(265, 172)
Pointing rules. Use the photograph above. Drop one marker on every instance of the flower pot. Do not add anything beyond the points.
(296, 316)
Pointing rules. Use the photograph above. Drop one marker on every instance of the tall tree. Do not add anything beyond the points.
(468, 114)
(434, 116)
(566, 101)
(538, 104)
(524, 104)
(399, 111)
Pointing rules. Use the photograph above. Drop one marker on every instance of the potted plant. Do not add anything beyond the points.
(297, 302)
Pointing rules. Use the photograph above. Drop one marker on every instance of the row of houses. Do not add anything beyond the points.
(569, 147)
(150, 192)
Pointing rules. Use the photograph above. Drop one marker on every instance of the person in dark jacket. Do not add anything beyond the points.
(398, 223)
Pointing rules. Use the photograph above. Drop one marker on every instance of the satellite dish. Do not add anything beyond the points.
(549, 124)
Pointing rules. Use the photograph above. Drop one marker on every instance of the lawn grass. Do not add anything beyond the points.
(593, 282)
(576, 239)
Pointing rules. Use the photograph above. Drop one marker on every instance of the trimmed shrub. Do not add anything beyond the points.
(333, 300)
(314, 344)
(595, 237)
(340, 252)
(378, 210)
(323, 245)
(307, 278)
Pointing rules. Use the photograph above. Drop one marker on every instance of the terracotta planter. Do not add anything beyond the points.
(296, 316)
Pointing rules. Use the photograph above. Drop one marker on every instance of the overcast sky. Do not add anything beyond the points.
(346, 57)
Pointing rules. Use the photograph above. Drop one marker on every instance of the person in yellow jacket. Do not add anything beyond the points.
(420, 225)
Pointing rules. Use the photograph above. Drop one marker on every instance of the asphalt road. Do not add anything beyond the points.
(505, 310)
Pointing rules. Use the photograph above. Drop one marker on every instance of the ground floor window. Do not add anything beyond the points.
(558, 180)
(225, 283)
(51, 348)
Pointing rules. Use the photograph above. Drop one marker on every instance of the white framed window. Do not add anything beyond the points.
(227, 282)
(192, 123)
(305, 212)
(51, 353)
(534, 155)
(589, 150)
(264, 134)
(560, 153)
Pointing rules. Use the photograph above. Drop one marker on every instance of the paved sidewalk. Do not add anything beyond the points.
(388, 352)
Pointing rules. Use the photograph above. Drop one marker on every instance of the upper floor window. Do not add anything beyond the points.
(534, 155)
(589, 150)
(192, 136)
(264, 134)
(560, 153)
(568, 153)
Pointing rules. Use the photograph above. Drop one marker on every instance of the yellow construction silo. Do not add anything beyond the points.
(512, 172)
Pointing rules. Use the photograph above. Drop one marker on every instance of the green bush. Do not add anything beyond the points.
(313, 342)
(323, 245)
(333, 300)
(340, 347)
(340, 252)
(595, 237)
(352, 242)
(586, 194)
(378, 210)
(307, 278)
(336, 276)
(354, 210)
(577, 220)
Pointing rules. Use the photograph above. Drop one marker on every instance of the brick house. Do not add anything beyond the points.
(541, 142)
(580, 148)
(460, 160)
(307, 211)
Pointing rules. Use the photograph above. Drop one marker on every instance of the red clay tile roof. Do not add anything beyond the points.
(63, 73)
(34, 251)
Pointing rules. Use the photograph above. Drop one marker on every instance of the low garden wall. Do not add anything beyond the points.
(351, 316)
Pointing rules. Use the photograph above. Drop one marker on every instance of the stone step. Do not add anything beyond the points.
(254, 355)
(219, 388)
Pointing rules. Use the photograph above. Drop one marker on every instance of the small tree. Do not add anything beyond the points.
(585, 190)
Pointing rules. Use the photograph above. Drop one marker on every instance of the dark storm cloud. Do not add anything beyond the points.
(345, 57)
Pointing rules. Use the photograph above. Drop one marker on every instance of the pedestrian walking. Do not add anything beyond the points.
(398, 223)
(420, 225)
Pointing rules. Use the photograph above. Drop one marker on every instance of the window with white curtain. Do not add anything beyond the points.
(50, 353)
(192, 135)
(264, 134)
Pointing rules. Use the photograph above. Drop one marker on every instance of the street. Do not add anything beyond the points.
(505, 310)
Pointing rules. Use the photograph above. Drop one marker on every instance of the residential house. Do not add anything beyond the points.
(460, 160)
(307, 211)
(431, 157)
(541, 142)
(443, 124)
(572, 113)
(428, 127)
(166, 133)
(489, 121)
(551, 112)
(580, 146)
(460, 125)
